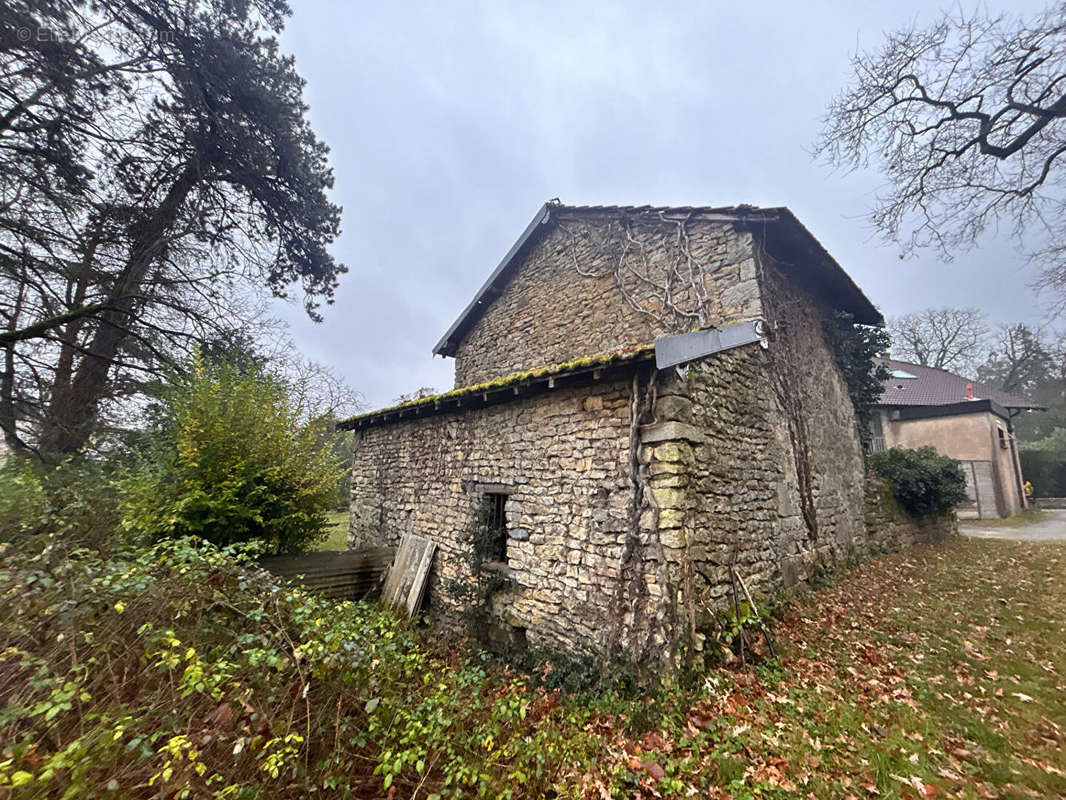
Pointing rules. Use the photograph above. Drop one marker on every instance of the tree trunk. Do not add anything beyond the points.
(71, 415)
(7, 381)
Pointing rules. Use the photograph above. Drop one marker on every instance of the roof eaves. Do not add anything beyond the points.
(495, 391)
(847, 294)
(975, 406)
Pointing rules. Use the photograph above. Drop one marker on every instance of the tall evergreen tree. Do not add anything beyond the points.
(155, 160)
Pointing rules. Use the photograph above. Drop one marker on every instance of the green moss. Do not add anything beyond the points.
(620, 356)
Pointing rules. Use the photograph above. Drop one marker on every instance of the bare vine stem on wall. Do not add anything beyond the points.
(785, 364)
(669, 289)
(641, 549)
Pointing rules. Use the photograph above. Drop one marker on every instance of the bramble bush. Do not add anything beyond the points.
(180, 670)
(923, 481)
(232, 459)
(75, 498)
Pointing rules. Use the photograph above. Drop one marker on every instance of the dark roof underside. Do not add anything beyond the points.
(932, 386)
(783, 236)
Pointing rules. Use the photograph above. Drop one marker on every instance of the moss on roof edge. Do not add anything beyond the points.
(619, 356)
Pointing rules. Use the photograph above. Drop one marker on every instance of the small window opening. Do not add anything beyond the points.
(496, 508)
(1002, 436)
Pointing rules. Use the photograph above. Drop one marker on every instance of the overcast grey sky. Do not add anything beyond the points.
(450, 124)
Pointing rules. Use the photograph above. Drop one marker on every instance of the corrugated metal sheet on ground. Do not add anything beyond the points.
(337, 574)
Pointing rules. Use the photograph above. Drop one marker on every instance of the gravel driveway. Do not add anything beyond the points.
(1052, 528)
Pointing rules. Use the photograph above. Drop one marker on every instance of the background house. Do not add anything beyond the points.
(964, 419)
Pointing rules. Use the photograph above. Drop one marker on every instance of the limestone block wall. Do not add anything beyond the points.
(564, 459)
(726, 486)
(747, 423)
(891, 528)
(595, 283)
(623, 530)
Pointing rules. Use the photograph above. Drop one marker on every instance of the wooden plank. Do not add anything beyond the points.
(418, 591)
(406, 581)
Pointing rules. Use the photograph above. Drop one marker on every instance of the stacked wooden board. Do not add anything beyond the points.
(405, 585)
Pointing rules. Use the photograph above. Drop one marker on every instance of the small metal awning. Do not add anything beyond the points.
(673, 350)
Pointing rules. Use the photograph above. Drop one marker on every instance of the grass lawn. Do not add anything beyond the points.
(1027, 516)
(338, 532)
(937, 672)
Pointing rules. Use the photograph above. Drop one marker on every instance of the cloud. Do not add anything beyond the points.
(449, 124)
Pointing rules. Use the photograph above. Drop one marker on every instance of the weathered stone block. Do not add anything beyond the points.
(674, 407)
(674, 452)
(671, 431)
(669, 498)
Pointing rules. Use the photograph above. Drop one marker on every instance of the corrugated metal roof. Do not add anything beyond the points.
(784, 237)
(932, 386)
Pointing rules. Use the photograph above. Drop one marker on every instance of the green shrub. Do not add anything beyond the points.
(232, 461)
(923, 481)
(178, 670)
(75, 499)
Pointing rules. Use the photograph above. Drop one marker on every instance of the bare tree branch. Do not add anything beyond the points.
(967, 120)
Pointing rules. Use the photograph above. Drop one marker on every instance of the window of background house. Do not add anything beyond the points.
(496, 511)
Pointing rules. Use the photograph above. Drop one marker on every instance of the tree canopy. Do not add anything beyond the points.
(946, 338)
(156, 169)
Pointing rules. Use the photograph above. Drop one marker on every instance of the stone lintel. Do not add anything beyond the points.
(671, 431)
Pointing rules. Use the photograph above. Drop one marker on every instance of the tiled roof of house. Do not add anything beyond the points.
(784, 236)
(915, 385)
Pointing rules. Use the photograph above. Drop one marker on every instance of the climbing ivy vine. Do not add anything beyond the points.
(854, 348)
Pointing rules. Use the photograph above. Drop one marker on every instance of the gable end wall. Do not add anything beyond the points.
(590, 286)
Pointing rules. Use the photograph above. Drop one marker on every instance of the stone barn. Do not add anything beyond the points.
(645, 401)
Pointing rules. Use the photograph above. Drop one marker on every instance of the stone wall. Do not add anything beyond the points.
(725, 462)
(629, 501)
(891, 528)
(597, 282)
(564, 459)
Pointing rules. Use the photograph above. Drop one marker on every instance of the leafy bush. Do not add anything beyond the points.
(232, 461)
(923, 481)
(75, 499)
(854, 348)
(178, 670)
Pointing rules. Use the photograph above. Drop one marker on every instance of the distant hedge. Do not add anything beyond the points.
(923, 481)
(1044, 464)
